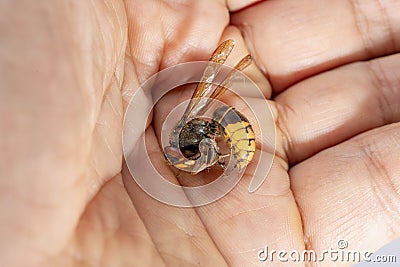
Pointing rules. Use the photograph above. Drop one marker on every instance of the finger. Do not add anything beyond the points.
(178, 36)
(178, 233)
(235, 5)
(292, 40)
(242, 223)
(241, 50)
(336, 105)
(351, 191)
(173, 40)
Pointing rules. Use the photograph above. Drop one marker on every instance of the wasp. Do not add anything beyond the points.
(193, 141)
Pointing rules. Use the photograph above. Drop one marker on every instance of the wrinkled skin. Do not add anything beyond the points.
(68, 68)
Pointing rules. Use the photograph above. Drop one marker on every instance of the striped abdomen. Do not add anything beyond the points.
(239, 134)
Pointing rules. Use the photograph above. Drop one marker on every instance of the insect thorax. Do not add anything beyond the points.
(193, 132)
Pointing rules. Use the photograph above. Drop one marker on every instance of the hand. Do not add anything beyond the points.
(68, 69)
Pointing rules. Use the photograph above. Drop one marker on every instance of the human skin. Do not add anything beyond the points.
(331, 70)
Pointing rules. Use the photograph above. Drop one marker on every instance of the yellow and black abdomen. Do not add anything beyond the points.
(239, 134)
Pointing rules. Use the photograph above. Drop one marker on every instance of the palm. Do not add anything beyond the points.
(90, 219)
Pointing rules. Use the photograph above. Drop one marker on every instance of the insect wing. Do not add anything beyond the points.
(226, 83)
(205, 85)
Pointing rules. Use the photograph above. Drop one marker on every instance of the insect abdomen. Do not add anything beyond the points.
(239, 133)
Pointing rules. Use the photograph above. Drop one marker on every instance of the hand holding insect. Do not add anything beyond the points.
(69, 68)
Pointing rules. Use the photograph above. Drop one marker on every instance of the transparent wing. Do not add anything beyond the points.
(205, 85)
(199, 102)
(226, 83)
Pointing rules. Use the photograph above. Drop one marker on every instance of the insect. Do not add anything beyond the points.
(194, 140)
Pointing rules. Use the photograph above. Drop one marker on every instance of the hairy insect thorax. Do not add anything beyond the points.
(192, 133)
